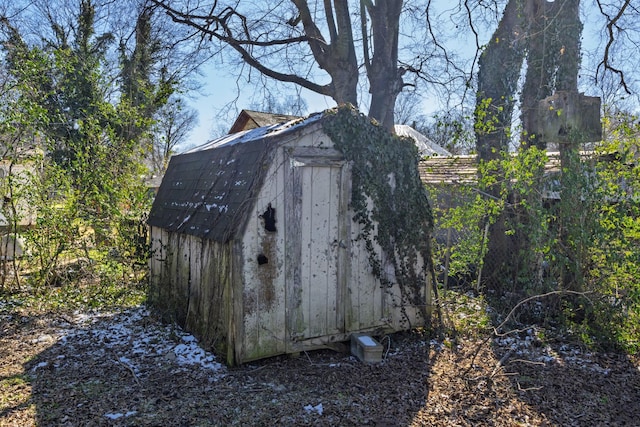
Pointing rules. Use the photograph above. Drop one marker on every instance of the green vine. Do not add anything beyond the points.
(398, 217)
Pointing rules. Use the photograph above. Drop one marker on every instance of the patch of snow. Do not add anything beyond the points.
(118, 415)
(187, 218)
(113, 416)
(530, 347)
(46, 338)
(135, 342)
(437, 345)
(189, 338)
(256, 134)
(40, 365)
(318, 408)
(191, 354)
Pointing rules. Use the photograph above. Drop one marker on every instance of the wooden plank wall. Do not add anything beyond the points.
(190, 284)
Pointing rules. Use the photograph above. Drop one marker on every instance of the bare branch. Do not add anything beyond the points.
(217, 26)
(477, 40)
(365, 36)
(611, 24)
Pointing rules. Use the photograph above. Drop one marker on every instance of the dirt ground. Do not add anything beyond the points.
(126, 369)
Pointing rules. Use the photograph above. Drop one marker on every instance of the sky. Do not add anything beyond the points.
(217, 92)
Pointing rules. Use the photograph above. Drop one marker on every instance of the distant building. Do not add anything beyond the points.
(249, 119)
(426, 147)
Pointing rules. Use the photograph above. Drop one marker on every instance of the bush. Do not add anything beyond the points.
(573, 228)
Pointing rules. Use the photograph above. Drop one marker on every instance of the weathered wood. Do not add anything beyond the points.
(568, 117)
(304, 283)
(293, 248)
(316, 156)
(196, 289)
(344, 246)
(320, 243)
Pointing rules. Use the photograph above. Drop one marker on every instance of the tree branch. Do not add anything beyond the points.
(216, 26)
(365, 35)
(611, 23)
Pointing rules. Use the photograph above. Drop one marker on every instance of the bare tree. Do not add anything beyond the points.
(174, 121)
(621, 33)
(277, 39)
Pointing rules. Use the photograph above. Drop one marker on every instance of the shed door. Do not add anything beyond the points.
(317, 244)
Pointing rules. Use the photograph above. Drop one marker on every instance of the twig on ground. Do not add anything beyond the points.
(133, 373)
(530, 362)
(496, 330)
(500, 363)
(528, 388)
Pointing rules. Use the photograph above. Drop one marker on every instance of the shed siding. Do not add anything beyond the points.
(259, 292)
(191, 284)
(365, 292)
(264, 290)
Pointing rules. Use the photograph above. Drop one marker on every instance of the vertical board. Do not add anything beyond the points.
(320, 206)
(365, 292)
(263, 269)
(155, 263)
(160, 284)
(295, 320)
(196, 288)
(215, 295)
(178, 271)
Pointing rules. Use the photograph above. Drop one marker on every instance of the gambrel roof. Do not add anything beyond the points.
(208, 191)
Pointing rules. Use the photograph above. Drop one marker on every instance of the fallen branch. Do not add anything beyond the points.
(501, 362)
(496, 330)
(133, 373)
(530, 362)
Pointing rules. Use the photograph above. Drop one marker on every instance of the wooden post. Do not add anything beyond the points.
(569, 118)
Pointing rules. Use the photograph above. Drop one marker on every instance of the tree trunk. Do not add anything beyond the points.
(569, 31)
(540, 68)
(385, 78)
(338, 58)
(499, 70)
(553, 58)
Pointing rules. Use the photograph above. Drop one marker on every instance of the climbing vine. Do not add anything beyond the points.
(389, 201)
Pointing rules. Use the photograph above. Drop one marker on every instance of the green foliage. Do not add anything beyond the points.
(388, 198)
(468, 314)
(86, 184)
(74, 296)
(572, 225)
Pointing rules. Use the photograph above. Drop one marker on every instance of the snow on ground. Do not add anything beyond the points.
(531, 348)
(134, 339)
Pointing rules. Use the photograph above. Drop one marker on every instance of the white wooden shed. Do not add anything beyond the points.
(254, 247)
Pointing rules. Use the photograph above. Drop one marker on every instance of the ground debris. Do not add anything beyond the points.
(128, 369)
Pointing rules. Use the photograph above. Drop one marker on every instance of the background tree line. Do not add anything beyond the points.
(94, 90)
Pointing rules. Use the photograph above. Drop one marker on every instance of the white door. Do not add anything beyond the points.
(316, 224)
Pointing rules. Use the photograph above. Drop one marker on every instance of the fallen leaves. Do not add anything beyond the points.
(127, 369)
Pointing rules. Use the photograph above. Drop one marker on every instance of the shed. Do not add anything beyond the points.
(256, 250)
